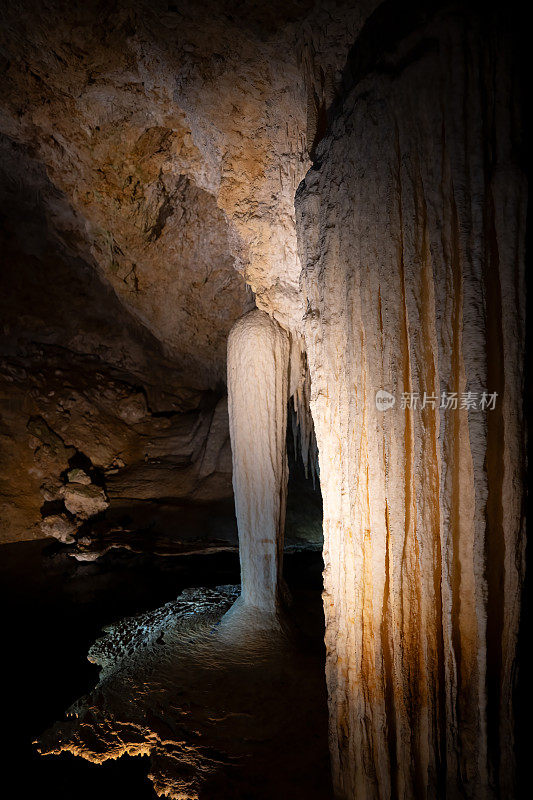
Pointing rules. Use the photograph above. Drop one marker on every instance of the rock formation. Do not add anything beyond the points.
(174, 688)
(82, 378)
(411, 231)
(151, 159)
(60, 410)
(258, 394)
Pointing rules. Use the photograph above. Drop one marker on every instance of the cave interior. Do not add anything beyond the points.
(265, 385)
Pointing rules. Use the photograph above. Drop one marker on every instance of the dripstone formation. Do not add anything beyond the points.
(336, 192)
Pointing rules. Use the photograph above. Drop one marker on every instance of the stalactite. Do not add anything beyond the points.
(258, 393)
(301, 419)
(411, 231)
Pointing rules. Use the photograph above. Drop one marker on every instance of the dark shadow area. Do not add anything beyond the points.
(303, 524)
(523, 695)
(57, 608)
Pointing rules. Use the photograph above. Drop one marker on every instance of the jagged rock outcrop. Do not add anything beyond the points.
(60, 527)
(83, 500)
(148, 162)
(81, 377)
(60, 409)
(411, 231)
(160, 122)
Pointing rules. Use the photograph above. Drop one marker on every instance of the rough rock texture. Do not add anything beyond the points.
(60, 527)
(171, 140)
(82, 500)
(411, 231)
(75, 358)
(53, 287)
(60, 410)
(258, 394)
(149, 153)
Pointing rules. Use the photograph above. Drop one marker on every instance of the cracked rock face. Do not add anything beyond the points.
(173, 144)
(82, 377)
(83, 501)
(60, 527)
(179, 286)
(59, 410)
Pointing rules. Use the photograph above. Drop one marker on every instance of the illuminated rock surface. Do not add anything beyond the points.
(168, 142)
(258, 393)
(60, 409)
(151, 155)
(411, 230)
(149, 163)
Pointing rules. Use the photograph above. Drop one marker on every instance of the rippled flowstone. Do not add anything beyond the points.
(217, 711)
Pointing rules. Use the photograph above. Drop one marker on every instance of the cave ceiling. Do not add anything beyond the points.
(158, 146)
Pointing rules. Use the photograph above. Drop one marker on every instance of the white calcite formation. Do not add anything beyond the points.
(258, 393)
(411, 231)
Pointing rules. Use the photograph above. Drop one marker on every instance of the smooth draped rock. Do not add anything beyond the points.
(411, 231)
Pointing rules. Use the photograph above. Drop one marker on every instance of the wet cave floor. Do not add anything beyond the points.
(55, 609)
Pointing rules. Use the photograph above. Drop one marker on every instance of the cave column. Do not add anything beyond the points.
(258, 390)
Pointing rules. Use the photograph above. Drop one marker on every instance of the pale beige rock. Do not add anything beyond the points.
(411, 238)
(60, 527)
(78, 476)
(177, 149)
(167, 153)
(82, 500)
(183, 454)
(133, 408)
(258, 393)
(144, 172)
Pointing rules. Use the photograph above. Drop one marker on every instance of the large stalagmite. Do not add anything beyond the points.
(258, 391)
(411, 231)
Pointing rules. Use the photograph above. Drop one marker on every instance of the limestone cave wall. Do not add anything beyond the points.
(150, 156)
(412, 229)
(84, 382)
(354, 170)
